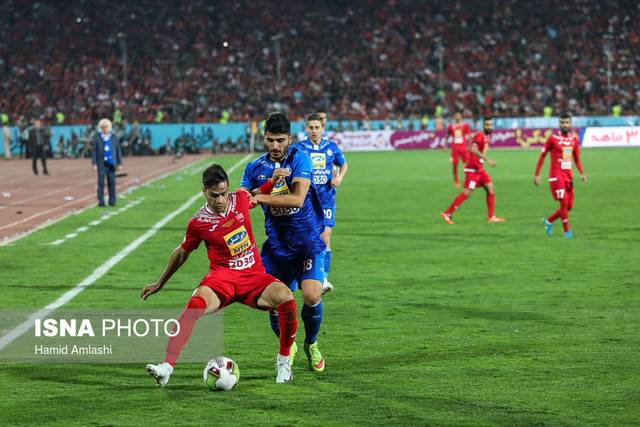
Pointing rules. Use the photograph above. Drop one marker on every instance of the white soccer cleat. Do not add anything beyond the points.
(160, 373)
(327, 287)
(283, 370)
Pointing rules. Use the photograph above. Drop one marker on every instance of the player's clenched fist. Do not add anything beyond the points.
(147, 291)
(279, 174)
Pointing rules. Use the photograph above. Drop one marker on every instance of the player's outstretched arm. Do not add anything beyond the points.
(576, 156)
(543, 155)
(176, 259)
(295, 199)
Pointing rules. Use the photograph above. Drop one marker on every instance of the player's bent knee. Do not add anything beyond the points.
(312, 292)
(274, 295)
(209, 296)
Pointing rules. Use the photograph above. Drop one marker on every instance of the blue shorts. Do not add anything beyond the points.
(292, 270)
(329, 215)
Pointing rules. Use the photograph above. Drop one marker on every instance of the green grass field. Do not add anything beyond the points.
(430, 324)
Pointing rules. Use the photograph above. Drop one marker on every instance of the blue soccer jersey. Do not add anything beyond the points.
(323, 159)
(291, 232)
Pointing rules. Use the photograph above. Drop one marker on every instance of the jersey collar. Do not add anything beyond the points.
(226, 213)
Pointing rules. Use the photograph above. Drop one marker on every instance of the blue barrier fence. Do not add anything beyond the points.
(203, 134)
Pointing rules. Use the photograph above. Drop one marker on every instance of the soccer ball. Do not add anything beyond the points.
(221, 373)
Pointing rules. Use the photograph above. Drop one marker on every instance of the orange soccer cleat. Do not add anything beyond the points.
(496, 219)
(447, 218)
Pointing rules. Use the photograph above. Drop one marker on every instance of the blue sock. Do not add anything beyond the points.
(312, 317)
(275, 323)
(327, 263)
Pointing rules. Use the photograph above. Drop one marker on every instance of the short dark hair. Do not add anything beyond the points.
(214, 175)
(277, 122)
(565, 116)
(314, 116)
(487, 118)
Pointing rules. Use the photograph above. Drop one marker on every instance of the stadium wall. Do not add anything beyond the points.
(512, 132)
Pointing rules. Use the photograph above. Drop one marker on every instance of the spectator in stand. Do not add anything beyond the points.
(363, 59)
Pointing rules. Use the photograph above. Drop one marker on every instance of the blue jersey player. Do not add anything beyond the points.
(294, 249)
(325, 156)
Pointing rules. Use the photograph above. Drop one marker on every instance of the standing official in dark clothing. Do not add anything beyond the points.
(106, 156)
(39, 143)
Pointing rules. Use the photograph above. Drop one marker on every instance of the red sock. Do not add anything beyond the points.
(192, 312)
(491, 203)
(564, 215)
(455, 172)
(456, 203)
(288, 325)
(554, 216)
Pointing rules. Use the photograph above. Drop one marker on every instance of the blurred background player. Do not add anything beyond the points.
(294, 223)
(323, 117)
(236, 272)
(475, 175)
(458, 134)
(325, 155)
(565, 149)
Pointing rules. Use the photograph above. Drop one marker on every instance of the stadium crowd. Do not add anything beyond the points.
(197, 61)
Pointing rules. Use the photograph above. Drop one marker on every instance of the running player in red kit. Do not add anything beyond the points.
(475, 175)
(235, 274)
(458, 135)
(564, 148)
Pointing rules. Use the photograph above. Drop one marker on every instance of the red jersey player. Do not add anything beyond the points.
(458, 134)
(235, 274)
(564, 148)
(475, 175)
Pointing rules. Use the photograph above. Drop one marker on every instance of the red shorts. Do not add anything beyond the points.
(561, 188)
(243, 286)
(472, 180)
(459, 152)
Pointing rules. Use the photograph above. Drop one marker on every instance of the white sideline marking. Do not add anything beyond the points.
(16, 332)
(94, 223)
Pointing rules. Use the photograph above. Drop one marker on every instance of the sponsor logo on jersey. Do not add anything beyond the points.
(238, 240)
(205, 217)
(319, 160)
(567, 153)
(281, 189)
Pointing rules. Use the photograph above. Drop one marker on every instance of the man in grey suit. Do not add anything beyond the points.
(39, 143)
(106, 157)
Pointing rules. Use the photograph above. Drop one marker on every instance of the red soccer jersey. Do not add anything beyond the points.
(228, 237)
(475, 163)
(458, 132)
(564, 150)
